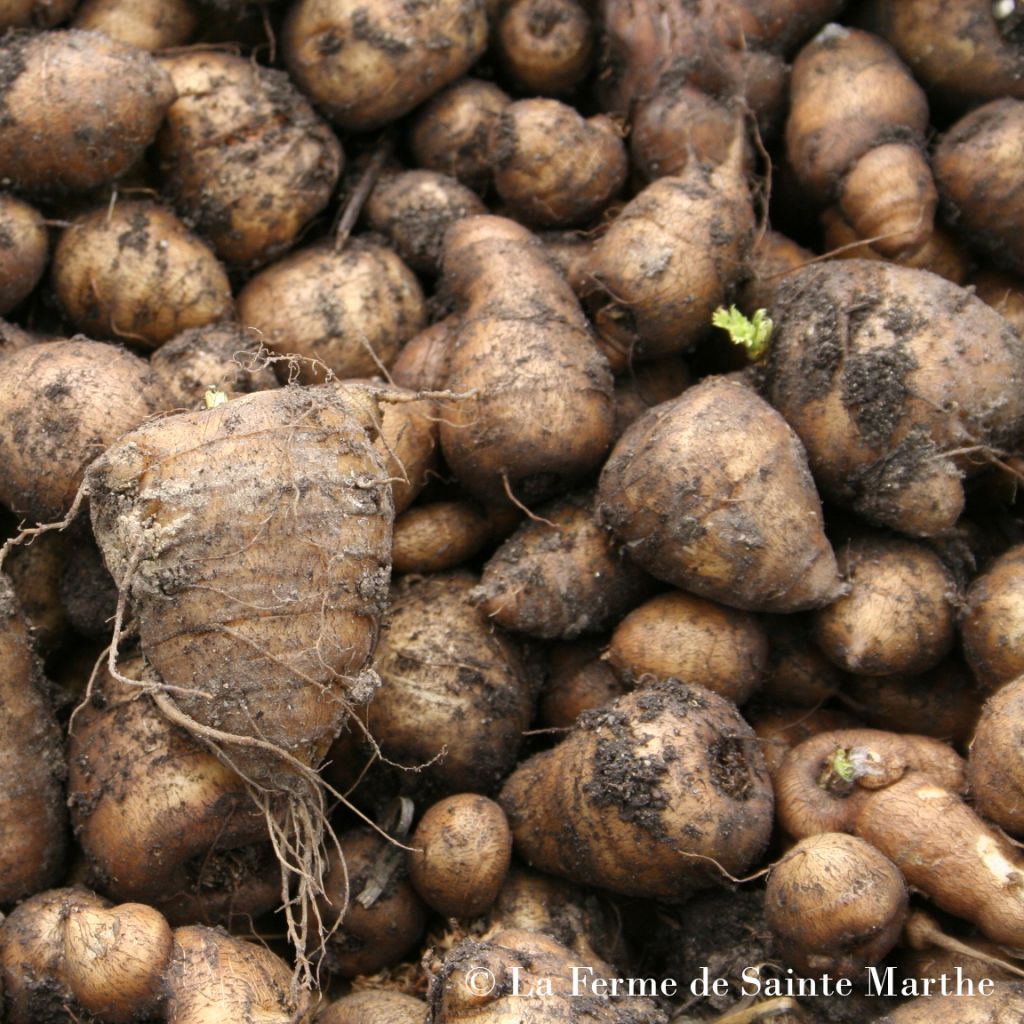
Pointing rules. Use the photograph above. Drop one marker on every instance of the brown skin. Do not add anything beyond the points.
(246, 158)
(994, 764)
(33, 819)
(943, 703)
(545, 994)
(687, 491)
(834, 904)
(66, 402)
(24, 250)
(213, 975)
(546, 47)
(423, 362)
(977, 170)
(898, 613)
(136, 273)
(219, 357)
(942, 253)
(451, 134)
(450, 680)
(149, 24)
(69, 950)
(682, 636)
(375, 930)
(775, 257)
(668, 260)
(347, 312)
(871, 394)
(407, 443)
(850, 96)
(577, 918)
(797, 673)
(992, 624)
(1003, 1002)
(80, 109)
(578, 680)
(814, 797)
(646, 385)
(196, 630)
(523, 344)
(623, 789)
(560, 578)
(681, 125)
(160, 818)
(552, 167)
(947, 852)
(364, 68)
(414, 209)
(375, 1006)
(35, 572)
(955, 50)
(34, 13)
(464, 848)
(781, 729)
(439, 536)
(1003, 292)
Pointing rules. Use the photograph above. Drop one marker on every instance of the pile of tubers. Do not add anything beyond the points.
(510, 511)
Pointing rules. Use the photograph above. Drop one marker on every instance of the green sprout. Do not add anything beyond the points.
(841, 764)
(215, 397)
(753, 334)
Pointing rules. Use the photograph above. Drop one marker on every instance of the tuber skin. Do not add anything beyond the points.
(344, 312)
(855, 136)
(898, 614)
(439, 536)
(213, 975)
(375, 1006)
(834, 905)
(69, 951)
(824, 782)
(66, 401)
(781, 729)
(623, 785)
(34, 571)
(245, 157)
(552, 167)
(463, 848)
(414, 209)
(1004, 1002)
(947, 852)
(561, 575)
(218, 357)
(545, 994)
(79, 109)
(451, 133)
(578, 680)
(146, 24)
(24, 250)
(365, 67)
(682, 636)
(992, 623)
(34, 13)
(995, 769)
(158, 499)
(546, 47)
(160, 819)
(512, 299)
(977, 167)
(452, 684)
(423, 362)
(380, 918)
(646, 385)
(797, 673)
(690, 497)
(889, 431)
(956, 50)
(33, 818)
(668, 259)
(1003, 292)
(136, 273)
